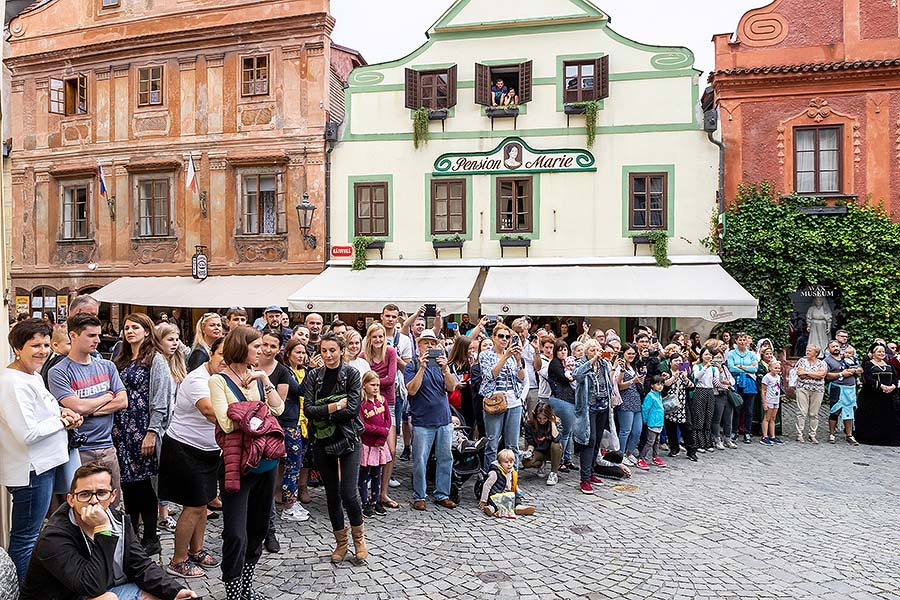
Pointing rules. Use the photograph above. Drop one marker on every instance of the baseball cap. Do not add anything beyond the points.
(274, 309)
(427, 335)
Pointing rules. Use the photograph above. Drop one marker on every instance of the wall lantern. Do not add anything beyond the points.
(305, 212)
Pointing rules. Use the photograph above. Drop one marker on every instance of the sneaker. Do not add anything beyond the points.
(675, 453)
(629, 460)
(711, 449)
(552, 479)
(524, 511)
(664, 447)
(642, 465)
(379, 509)
(295, 513)
(596, 480)
(777, 440)
(542, 470)
(800, 438)
(720, 445)
(586, 487)
(393, 483)
(701, 450)
(186, 569)
(747, 439)
(406, 454)
(571, 466)
(851, 440)
(659, 463)
(813, 439)
(734, 437)
(167, 524)
(831, 438)
(731, 445)
(369, 511)
(766, 442)
(693, 456)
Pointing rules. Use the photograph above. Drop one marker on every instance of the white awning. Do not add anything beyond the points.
(697, 291)
(248, 291)
(339, 289)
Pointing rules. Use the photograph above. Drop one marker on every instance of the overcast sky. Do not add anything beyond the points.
(389, 29)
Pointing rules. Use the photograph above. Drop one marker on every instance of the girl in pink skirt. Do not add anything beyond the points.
(376, 418)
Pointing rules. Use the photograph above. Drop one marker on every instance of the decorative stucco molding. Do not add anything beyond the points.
(763, 27)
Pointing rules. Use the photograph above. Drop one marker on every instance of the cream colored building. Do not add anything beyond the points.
(519, 187)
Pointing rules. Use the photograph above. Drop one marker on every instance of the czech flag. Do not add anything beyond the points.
(103, 188)
(191, 175)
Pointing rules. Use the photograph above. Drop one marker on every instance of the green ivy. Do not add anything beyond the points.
(360, 252)
(421, 122)
(591, 110)
(773, 250)
(660, 241)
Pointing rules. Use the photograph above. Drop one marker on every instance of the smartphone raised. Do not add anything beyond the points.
(606, 354)
(430, 310)
(434, 354)
(684, 367)
(452, 326)
(493, 318)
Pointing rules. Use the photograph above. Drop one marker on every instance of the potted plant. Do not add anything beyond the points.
(454, 241)
(519, 241)
(499, 112)
(590, 110)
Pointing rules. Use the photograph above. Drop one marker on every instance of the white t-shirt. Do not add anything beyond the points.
(188, 425)
(361, 365)
(544, 391)
(773, 389)
(528, 357)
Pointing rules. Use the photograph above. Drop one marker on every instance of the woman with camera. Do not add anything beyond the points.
(33, 439)
(502, 378)
(331, 399)
(631, 421)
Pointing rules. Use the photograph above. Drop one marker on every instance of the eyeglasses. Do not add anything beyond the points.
(502, 336)
(86, 495)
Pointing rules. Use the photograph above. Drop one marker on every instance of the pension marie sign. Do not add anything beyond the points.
(513, 156)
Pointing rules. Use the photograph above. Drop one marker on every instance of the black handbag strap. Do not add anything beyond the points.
(237, 391)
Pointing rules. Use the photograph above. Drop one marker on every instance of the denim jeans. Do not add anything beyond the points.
(424, 438)
(566, 413)
(508, 425)
(630, 425)
(30, 505)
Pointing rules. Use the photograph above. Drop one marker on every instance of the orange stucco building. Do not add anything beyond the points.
(247, 88)
(809, 98)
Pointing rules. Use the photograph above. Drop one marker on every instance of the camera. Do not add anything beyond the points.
(77, 439)
(430, 310)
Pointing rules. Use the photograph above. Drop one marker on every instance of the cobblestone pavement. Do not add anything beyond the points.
(797, 521)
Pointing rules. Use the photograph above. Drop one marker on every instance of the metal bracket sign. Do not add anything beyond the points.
(514, 156)
(199, 263)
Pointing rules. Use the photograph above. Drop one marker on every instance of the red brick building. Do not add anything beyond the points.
(809, 98)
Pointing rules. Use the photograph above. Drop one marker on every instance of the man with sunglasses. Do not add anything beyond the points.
(88, 550)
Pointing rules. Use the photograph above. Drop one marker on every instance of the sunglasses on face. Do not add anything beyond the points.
(502, 336)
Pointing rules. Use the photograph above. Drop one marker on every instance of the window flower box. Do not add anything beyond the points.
(439, 114)
(500, 112)
(571, 109)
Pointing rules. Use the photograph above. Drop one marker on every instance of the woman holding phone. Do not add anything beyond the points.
(631, 421)
(503, 371)
(384, 361)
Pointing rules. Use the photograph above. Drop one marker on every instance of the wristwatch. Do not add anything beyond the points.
(268, 389)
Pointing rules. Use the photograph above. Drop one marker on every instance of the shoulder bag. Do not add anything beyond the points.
(495, 404)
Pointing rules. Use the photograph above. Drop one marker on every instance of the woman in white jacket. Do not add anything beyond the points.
(33, 439)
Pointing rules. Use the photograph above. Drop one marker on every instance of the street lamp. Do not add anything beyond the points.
(305, 212)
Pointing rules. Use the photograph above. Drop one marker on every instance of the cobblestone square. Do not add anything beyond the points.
(799, 521)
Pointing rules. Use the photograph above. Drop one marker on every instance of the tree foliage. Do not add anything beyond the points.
(773, 250)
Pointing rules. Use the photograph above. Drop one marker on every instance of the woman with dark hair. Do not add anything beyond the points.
(562, 399)
(209, 328)
(139, 427)
(189, 463)
(629, 414)
(878, 415)
(542, 442)
(694, 346)
(293, 421)
(331, 399)
(246, 509)
(33, 439)
(725, 336)
(460, 367)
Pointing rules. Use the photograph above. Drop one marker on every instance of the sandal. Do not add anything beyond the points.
(389, 503)
(204, 559)
(185, 569)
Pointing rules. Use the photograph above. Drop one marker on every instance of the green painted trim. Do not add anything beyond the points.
(504, 62)
(670, 60)
(370, 89)
(623, 335)
(522, 30)
(618, 37)
(433, 67)
(560, 73)
(535, 207)
(354, 179)
(564, 131)
(637, 75)
(695, 102)
(583, 156)
(467, 236)
(523, 110)
(450, 14)
(531, 21)
(669, 170)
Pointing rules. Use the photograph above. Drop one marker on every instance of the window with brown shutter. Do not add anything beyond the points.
(586, 80)
(255, 75)
(448, 206)
(370, 201)
(434, 90)
(647, 201)
(150, 86)
(515, 205)
(76, 211)
(516, 77)
(68, 96)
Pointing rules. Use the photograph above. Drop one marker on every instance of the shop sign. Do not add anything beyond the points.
(23, 304)
(341, 251)
(62, 307)
(514, 156)
(199, 263)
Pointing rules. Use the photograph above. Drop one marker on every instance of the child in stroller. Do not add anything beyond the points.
(466, 456)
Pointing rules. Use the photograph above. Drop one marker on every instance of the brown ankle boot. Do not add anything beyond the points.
(359, 542)
(340, 546)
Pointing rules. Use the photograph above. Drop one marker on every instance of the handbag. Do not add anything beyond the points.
(670, 403)
(610, 437)
(736, 400)
(495, 404)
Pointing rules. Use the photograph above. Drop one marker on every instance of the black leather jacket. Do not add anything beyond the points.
(349, 424)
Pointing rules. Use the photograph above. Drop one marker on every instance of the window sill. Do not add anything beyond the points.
(75, 241)
(153, 239)
(261, 236)
(500, 112)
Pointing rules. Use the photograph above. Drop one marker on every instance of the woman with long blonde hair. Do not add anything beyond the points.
(383, 360)
(209, 329)
(354, 355)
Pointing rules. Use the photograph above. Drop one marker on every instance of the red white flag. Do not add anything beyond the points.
(191, 175)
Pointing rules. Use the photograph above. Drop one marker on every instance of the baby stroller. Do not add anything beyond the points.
(466, 457)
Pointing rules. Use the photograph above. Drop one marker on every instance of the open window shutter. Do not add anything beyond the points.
(525, 70)
(412, 89)
(451, 86)
(602, 70)
(482, 84)
(55, 97)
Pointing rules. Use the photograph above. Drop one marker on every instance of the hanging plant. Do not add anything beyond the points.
(660, 241)
(420, 126)
(591, 110)
(360, 252)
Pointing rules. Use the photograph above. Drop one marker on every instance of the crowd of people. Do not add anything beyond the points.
(251, 416)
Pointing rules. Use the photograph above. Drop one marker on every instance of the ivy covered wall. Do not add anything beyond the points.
(773, 250)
